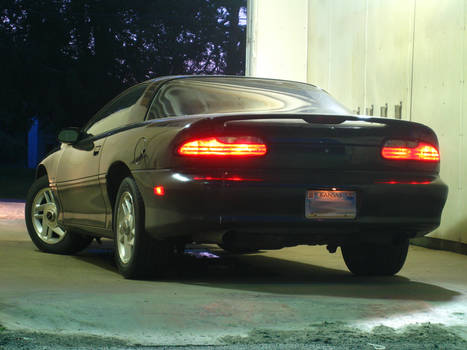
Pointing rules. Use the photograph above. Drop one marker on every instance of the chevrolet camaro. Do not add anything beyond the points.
(245, 163)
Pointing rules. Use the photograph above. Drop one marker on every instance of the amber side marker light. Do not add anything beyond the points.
(236, 146)
(408, 150)
(159, 190)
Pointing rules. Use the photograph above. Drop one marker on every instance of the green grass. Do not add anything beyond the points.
(15, 182)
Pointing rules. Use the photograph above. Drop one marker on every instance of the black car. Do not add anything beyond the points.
(245, 163)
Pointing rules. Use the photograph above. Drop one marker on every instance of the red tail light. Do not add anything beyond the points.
(224, 146)
(227, 178)
(408, 150)
(396, 182)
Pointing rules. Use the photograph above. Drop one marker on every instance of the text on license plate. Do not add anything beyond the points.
(331, 204)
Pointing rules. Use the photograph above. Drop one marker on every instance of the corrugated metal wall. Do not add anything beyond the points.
(369, 53)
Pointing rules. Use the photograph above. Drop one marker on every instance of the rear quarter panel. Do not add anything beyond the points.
(139, 148)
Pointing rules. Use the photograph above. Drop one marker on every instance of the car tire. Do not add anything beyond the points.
(137, 255)
(41, 214)
(368, 259)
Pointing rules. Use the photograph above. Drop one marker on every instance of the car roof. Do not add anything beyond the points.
(221, 77)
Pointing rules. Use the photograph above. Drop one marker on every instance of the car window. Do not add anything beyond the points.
(118, 112)
(153, 110)
(224, 95)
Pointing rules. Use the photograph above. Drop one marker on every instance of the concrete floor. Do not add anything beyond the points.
(215, 295)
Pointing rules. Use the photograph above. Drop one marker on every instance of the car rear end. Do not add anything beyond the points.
(269, 181)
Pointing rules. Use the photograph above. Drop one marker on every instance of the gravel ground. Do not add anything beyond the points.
(325, 335)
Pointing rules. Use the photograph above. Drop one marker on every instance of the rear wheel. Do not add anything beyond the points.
(370, 259)
(41, 214)
(137, 255)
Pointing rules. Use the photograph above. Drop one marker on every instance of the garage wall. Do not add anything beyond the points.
(336, 61)
(280, 53)
(439, 98)
(373, 53)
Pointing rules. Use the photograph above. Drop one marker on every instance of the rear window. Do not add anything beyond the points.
(193, 96)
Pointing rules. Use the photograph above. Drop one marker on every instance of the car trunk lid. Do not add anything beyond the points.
(316, 141)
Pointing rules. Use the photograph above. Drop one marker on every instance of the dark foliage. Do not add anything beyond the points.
(61, 60)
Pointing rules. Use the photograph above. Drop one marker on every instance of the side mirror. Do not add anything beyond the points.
(69, 135)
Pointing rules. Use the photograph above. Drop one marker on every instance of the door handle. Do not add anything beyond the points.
(96, 150)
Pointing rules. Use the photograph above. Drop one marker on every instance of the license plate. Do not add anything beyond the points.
(331, 204)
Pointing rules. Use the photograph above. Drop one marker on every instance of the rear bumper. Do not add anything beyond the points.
(272, 206)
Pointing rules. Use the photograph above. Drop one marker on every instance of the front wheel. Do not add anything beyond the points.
(137, 255)
(41, 214)
(369, 259)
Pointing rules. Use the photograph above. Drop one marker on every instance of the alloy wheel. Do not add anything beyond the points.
(126, 227)
(44, 215)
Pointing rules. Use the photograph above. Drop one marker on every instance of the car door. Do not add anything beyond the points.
(78, 183)
(78, 175)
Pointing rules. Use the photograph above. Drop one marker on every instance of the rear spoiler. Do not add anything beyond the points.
(196, 125)
(310, 118)
(218, 122)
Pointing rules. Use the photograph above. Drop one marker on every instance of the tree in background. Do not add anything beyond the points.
(61, 60)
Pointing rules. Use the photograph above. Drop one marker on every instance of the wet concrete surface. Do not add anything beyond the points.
(296, 295)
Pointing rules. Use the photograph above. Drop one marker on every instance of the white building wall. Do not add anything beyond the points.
(439, 95)
(389, 54)
(338, 37)
(369, 53)
(280, 53)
